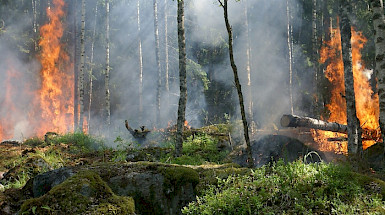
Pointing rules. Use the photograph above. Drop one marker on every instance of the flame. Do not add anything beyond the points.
(366, 100)
(55, 95)
(186, 125)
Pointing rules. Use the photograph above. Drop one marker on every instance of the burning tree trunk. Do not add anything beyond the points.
(237, 83)
(307, 122)
(354, 129)
(379, 34)
(157, 55)
(82, 63)
(182, 80)
(90, 78)
(140, 64)
(107, 73)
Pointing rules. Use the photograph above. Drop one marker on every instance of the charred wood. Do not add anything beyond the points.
(137, 133)
(289, 120)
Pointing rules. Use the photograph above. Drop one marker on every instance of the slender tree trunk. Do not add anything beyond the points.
(157, 55)
(248, 69)
(354, 130)
(166, 84)
(107, 72)
(76, 73)
(34, 24)
(90, 78)
(82, 65)
(379, 41)
(289, 44)
(237, 84)
(182, 80)
(140, 64)
(317, 78)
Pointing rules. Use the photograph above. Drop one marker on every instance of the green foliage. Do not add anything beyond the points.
(294, 188)
(199, 149)
(34, 141)
(79, 141)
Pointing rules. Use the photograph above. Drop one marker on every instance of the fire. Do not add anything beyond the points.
(27, 109)
(366, 100)
(55, 95)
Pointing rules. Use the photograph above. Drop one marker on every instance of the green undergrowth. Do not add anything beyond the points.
(293, 188)
(198, 150)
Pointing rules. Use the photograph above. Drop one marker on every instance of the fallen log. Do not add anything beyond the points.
(288, 120)
(307, 122)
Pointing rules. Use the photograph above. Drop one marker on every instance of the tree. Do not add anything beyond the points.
(237, 83)
(182, 80)
(90, 78)
(140, 63)
(354, 129)
(290, 48)
(82, 66)
(379, 41)
(76, 71)
(157, 56)
(107, 72)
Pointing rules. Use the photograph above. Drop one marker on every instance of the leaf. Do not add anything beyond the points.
(46, 207)
(34, 210)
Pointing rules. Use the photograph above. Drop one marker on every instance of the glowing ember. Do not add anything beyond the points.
(366, 100)
(56, 94)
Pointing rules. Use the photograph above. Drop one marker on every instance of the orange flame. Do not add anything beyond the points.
(366, 100)
(55, 95)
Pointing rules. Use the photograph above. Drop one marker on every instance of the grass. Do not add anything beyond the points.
(294, 188)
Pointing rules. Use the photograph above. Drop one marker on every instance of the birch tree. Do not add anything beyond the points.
(107, 72)
(290, 48)
(182, 80)
(248, 67)
(237, 83)
(82, 64)
(140, 62)
(379, 41)
(157, 56)
(354, 129)
(91, 78)
(76, 66)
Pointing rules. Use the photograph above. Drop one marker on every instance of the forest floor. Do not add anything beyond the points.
(222, 187)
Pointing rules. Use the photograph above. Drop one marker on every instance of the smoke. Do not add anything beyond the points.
(268, 43)
(205, 28)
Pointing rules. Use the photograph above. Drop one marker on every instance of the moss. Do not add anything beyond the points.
(77, 195)
(178, 175)
(209, 174)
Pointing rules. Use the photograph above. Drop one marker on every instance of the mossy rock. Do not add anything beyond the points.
(82, 193)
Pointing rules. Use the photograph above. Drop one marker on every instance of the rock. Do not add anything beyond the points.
(156, 188)
(271, 148)
(82, 193)
(375, 156)
(45, 182)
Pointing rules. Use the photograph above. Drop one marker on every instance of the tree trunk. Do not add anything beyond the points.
(90, 78)
(354, 130)
(107, 72)
(34, 24)
(317, 76)
(307, 122)
(166, 84)
(379, 41)
(289, 44)
(248, 69)
(140, 63)
(82, 63)
(157, 56)
(76, 73)
(237, 84)
(182, 80)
